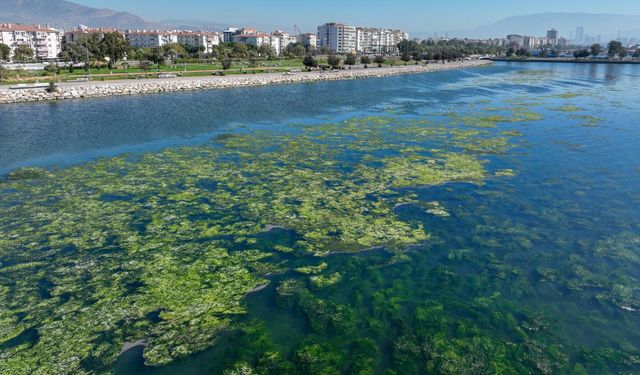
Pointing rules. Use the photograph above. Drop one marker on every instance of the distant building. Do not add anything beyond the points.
(77, 34)
(515, 41)
(562, 42)
(258, 39)
(45, 42)
(150, 39)
(308, 39)
(228, 33)
(552, 37)
(579, 36)
(337, 37)
(206, 41)
(374, 40)
(284, 39)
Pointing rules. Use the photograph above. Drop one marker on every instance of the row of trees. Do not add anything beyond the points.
(614, 50)
(336, 61)
(443, 49)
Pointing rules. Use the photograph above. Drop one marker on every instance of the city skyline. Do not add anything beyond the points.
(423, 17)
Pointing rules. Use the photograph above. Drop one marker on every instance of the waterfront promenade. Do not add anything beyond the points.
(93, 89)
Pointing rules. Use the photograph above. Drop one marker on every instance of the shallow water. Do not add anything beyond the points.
(524, 256)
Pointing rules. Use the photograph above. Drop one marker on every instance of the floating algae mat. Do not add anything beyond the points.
(437, 237)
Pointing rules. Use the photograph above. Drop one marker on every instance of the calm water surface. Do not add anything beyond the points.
(536, 268)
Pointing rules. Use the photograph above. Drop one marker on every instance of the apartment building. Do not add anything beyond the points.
(45, 42)
(150, 39)
(308, 39)
(259, 39)
(77, 34)
(375, 40)
(337, 37)
(284, 39)
(204, 40)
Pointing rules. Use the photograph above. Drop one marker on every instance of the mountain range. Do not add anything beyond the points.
(594, 24)
(67, 14)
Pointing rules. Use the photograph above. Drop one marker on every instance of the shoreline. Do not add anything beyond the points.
(566, 61)
(97, 89)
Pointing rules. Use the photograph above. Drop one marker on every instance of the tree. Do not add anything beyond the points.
(596, 49)
(23, 53)
(379, 60)
(334, 61)
(157, 56)
(5, 52)
(406, 57)
(140, 54)
(581, 54)
(416, 56)
(523, 52)
(310, 62)
(226, 63)
(145, 66)
(615, 48)
(366, 60)
(267, 50)
(240, 51)
(351, 59)
(295, 50)
(636, 54)
(114, 46)
(74, 53)
(4, 74)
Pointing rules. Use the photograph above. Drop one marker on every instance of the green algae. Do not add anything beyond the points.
(163, 248)
(567, 108)
(587, 120)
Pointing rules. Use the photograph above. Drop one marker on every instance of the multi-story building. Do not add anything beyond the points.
(228, 33)
(77, 34)
(150, 39)
(337, 37)
(45, 42)
(552, 37)
(258, 39)
(199, 39)
(515, 41)
(308, 39)
(374, 40)
(284, 38)
(579, 40)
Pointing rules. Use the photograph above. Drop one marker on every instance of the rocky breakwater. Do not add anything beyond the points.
(137, 87)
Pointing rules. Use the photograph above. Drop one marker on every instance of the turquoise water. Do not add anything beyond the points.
(524, 257)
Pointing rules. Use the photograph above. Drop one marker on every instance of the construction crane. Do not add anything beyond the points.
(298, 30)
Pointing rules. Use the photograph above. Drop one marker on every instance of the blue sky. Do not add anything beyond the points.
(412, 15)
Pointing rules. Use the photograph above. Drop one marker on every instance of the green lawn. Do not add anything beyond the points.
(186, 69)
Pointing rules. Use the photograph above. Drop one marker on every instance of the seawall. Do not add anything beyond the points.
(78, 90)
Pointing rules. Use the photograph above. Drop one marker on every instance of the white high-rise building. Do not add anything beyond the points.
(45, 42)
(374, 40)
(337, 37)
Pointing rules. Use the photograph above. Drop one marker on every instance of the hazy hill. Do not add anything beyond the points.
(65, 14)
(606, 25)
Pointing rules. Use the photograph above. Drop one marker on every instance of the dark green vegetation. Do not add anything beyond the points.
(407, 240)
(444, 49)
